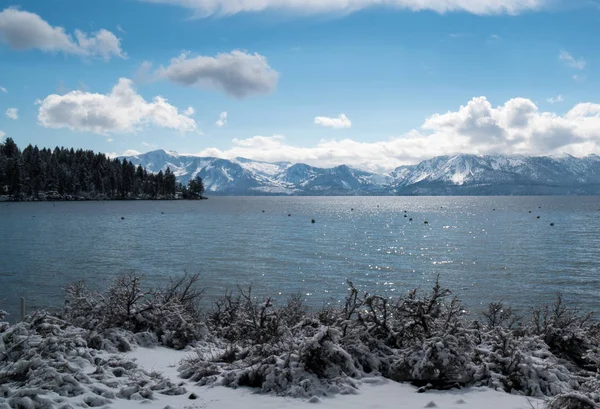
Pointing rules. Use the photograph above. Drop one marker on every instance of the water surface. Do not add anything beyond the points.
(483, 248)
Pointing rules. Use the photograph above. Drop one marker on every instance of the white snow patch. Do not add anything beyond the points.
(374, 393)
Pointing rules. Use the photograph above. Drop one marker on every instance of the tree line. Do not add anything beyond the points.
(63, 173)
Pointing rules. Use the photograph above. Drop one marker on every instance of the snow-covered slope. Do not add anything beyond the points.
(442, 175)
(500, 174)
(245, 176)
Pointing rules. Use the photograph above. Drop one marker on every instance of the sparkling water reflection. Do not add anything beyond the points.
(483, 248)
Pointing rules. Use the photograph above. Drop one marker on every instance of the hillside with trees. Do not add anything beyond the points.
(68, 174)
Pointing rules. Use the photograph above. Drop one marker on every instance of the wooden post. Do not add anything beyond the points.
(22, 308)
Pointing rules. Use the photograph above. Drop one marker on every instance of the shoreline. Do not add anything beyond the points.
(4, 199)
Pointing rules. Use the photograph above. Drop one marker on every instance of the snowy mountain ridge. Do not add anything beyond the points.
(463, 174)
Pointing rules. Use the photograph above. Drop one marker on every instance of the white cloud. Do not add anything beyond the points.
(23, 30)
(128, 152)
(2, 134)
(237, 73)
(3, 89)
(571, 61)
(222, 119)
(517, 127)
(110, 140)
(12, 113)
(189, 111)
(340, 122)
(120, 111)
(205, 8)
(556, 99)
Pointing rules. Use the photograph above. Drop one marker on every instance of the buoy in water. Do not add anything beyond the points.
(312, 221)
(405, 216)
(551, 224)
(426, 222)
(410, 220)
(530, 211)
(263, 211)
(289, 215)
(538, 217)
(122, 218)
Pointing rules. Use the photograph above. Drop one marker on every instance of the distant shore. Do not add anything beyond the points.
(78, 198)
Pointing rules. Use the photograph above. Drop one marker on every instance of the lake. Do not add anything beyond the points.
(484, 248)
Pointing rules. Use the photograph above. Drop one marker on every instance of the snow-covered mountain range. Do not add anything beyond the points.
(442, 175)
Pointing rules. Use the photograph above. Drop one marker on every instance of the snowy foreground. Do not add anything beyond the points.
(132, 346)
(376, 392)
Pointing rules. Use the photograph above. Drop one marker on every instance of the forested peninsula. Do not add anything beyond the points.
(35, 174)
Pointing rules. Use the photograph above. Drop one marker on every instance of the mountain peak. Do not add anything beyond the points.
(464, 174)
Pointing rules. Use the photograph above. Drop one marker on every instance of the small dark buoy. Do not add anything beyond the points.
(162, 212)
(539, 207)
(405, 211)
(494, 210)
(312, 221)
(289, 215)
(122, 218)
(263, 211)
(193, 396)
(551, 224)
(352, 209)
(530, 211)
(538, 217)
(410, 220)
(426, 222)
(405, 216)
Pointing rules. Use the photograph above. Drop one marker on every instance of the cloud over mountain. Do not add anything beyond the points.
(517, 127)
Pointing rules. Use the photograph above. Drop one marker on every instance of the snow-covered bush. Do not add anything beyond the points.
(44, 360)
(426, 339)
(171, 313)
(569, 334)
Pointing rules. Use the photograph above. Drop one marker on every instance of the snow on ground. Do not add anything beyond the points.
(374, 393)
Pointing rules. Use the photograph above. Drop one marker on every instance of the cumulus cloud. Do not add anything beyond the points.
(189, 111)
(128, 152)
(22, 30)
(517, 127)
(571, 61)
(12, 113)
(110, 140)
(205, 8)
(120, 111)
(340, 122)
(222, 119)
(237, 73)
(3, 90)
(556, 99)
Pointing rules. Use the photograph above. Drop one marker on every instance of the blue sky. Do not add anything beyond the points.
(286, 73)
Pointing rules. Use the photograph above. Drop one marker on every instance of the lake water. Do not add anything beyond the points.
(480, 253)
